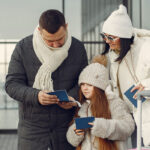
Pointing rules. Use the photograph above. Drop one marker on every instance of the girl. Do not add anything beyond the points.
(112, 125)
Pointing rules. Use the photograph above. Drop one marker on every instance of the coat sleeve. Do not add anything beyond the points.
(83, 63)
(72, 138)
(120, 127)
(16, 80)
(143, 64)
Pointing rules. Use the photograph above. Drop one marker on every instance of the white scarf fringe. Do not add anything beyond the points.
(51, 59)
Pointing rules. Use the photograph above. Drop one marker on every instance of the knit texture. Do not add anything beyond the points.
(118, 24)
(51, 59)
(95, 74)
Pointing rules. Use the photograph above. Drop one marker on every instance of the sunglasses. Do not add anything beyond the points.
(108, 37)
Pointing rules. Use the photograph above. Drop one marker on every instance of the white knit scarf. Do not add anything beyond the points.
(51, 59)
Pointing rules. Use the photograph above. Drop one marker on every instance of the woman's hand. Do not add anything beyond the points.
(91, 123)
(138, 87)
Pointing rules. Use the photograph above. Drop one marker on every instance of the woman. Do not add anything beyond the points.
(113, 123)
(129, 55)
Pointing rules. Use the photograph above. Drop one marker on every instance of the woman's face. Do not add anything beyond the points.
(87, 90)
(113, 41)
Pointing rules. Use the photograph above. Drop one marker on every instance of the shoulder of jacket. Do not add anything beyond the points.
(75, 39)
(26, 39)
(144, 45)
(116, 101)
(77, 43)
(118, 107)
(142, 32)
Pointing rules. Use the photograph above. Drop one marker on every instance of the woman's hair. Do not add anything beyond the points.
(125, 45)
(99, 109)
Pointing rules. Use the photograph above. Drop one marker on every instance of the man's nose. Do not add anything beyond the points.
(55, 44)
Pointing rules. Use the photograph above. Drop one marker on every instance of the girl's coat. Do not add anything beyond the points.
(119, 128)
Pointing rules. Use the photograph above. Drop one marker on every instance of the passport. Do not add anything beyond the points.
(82, 123)
(61, 95)
(130, 95)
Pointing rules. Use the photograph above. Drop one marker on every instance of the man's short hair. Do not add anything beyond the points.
(51, 20)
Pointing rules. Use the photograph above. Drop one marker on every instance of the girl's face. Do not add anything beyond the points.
(87, 90)
(113, 41)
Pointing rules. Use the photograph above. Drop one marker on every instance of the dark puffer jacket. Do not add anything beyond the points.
(37, 122)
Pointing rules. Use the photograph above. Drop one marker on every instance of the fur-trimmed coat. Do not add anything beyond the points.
(119, 128)
(138, 59)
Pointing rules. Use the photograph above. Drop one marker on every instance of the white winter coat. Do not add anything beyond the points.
(119, 128)
(140, 51)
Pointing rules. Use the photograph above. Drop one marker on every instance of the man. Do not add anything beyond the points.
(48, 60)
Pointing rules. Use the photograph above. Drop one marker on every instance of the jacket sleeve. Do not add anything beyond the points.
(143, 64)
(120, 127)
(72, 138)
(146, 82)
(16, 80)
(83, 63)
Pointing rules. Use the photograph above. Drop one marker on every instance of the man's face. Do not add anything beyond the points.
(55, 40)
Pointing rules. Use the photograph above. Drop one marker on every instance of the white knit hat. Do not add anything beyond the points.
(95, 74)
(118, 23)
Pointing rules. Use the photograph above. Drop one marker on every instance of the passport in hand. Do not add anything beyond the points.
(130, 95)
(82, 123)
(61, 95)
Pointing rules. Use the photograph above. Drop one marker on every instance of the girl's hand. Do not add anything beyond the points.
(91, 123)
(138, 87)
(79, 131)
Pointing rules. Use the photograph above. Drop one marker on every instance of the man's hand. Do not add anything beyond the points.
(138, 87)
(46, 99)
(68, 105)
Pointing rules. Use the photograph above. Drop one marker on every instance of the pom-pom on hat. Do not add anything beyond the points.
(95, 74)
(118, 23)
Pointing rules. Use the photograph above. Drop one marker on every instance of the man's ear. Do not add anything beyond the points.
(66, 25)
(39, 28)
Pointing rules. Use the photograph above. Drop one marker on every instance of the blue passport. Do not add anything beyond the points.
(61, 95)
(130, 95)
(82, 123)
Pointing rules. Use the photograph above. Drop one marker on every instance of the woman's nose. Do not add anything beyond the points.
(107, 40)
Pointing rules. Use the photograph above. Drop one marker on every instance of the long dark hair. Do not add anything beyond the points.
(99, 108)
(125, 45)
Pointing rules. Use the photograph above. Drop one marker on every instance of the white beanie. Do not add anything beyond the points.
(95, 74)
(118, 24)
